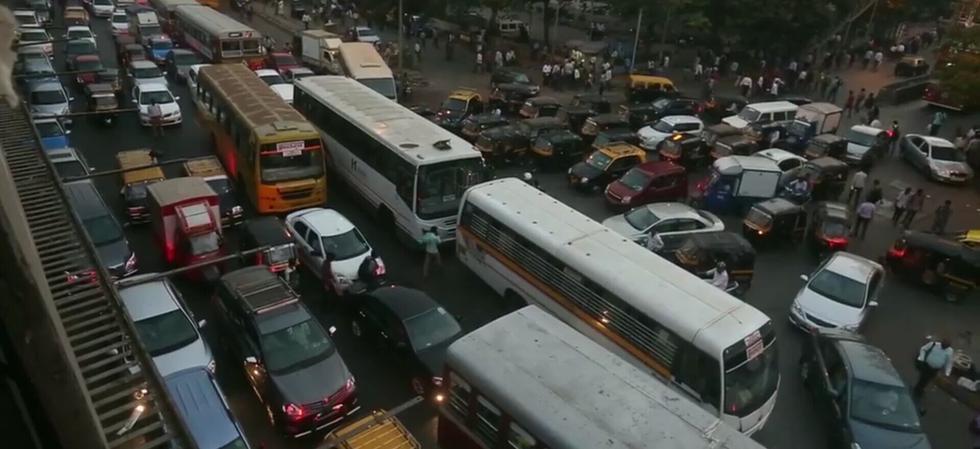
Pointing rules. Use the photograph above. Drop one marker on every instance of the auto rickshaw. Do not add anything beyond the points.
(502, 144)
(103, 101)
(649, 182)
(638, 114)
(684, 149)
(712, 133)
(557, 148)
(281, 256)
(734, 145)
(136, 181)
(618, 134)
(827, 176)
(533, 127)
(509, 97)
(717, 108)
(477, 123)
(540, 107)
(826, 145)
(212, 172)
(737, 182)
(460, 104)
(947, 266)
(583, 106)
(829, 228)
(604, 165)
(970, 238)
(774, 220)
(701, 252)
(598, 123)
(648, 87)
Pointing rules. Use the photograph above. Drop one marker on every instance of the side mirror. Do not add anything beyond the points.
(251, 360)
(873, 304)
(332, 330)
(176, 98)
(804, 278)
(202, 323)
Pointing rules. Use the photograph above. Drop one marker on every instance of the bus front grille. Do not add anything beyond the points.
(296, 194)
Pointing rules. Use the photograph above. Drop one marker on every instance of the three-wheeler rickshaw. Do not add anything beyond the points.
(540, 107)
(685, 149)
(774, 220)
(701, 252)
(557, 148)
(102, 99)
(946, 266)
(135, 181)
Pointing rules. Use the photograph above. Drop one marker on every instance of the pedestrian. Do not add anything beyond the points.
(306, 20)
(867, 58)
(430, 242)
(865, 212)
(859, 100)
(577, 75)
(941, 218)
(546, 74)
(418, 52)
(327, 276)
(901, 203)
(913, 206)
(875, 194)
(777, 83)
(498, 59)
(873, 116)
(280, 5)
(156, 119)
(938, 119)
(698, 70)
(666, 61)
(858, 181)
(478, 67)
(934, 356)
(834, 87)
(588, 82)
(879, 57)
(870, 101)
(894, 133)
(607, 78)
(849, 103)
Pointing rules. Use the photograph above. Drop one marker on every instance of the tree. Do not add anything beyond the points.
(958, 76)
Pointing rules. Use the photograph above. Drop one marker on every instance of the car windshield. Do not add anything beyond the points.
(103, 230)
(441, 185)
(635, 179)
(431, 328)
(944, 153)
(150, 30)
(92, 65)
(749, 114)
(663, 127)
(865, 140)
(166, 333)
(383, 86)
(884, 405)
(288, 165)
(160, 97)
(150, 71)
(752, 383)
(520, 78)
(641, 218)
(80, 48)
(758, 218)
(79, 34)
(598, 160)
(162, 44)
(68, 169)
(345, 246)
(834, 229)
(54, 96)
(221, 186)
(295, 346)
(839, 288)
(365, 32)
(205, 244)
(49, 129)
(119, 18)
(272, 79)
(454, 104)
(33, 36)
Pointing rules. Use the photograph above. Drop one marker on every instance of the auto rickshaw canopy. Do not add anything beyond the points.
(138, 158)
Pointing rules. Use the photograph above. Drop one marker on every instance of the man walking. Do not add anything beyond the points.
(875, 194)
(430, 241)
(858, 181)
(865, 212)
(901, 203)
(941, 219)
(156, 119)
(913, 206)
(859, 100)
(933, 357)
(894, 134)
(849, 103)
(306, 20)
(937, 122)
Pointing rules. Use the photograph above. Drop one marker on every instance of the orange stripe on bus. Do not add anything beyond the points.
(560, 299)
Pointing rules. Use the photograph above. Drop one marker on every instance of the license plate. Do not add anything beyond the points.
(290, 149)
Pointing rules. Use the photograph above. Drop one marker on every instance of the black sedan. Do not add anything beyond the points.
(411, 327)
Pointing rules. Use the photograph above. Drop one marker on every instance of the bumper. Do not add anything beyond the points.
(950, 179)
(321, 421)
(166, 121)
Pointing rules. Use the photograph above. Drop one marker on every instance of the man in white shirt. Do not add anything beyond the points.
(858, 181)
(934, 356)
(719, 276)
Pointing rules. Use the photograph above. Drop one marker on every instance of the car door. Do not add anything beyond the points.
(316, 256)
(923, 154)
(300, 230)
(370, 319)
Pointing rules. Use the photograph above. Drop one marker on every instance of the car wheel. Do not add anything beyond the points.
(355, 328)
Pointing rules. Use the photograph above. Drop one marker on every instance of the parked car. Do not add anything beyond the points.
(271, 77)
(911, 66)
(179, 62)
(49, 98)
(53, 135)
(119, 22)
(281, 61)
(652, 135)
(79, 32)
(321, 232)
(287, 357)
(26, 18)
(145, 72)
(33, 66)
(76, 48)
(89, 66)
(649, 182)
(365, 34)
(785, 160)
(663, 218)
(101, 8)
(663, 107)
(861, 396)
(68, 163)
(157, 47)
(410, 327)
(145, 95)
(838, 294)
(29, 35)
(166, 326)
(205, 411)
(102, 228)
(937, 158)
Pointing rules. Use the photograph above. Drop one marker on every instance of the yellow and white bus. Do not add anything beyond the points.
(362, 62)
(411, 172)
(266, 145)
(533, 249)
(219, 38)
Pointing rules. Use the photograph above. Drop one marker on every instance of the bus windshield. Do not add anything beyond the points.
(383, 86)
(752, 383)
(282, 166)
(440, 186)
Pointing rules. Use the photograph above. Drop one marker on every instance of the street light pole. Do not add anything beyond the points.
(401, 34)
(636, 39)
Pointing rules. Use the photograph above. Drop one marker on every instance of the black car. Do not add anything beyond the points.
(287, 357)
(477, 123)
(911, 66)
(505, 76)
(859, 394)
(558, 147)
(509, 97)
(582, 107)
(409, 326)
(637, 114)
(674, 106)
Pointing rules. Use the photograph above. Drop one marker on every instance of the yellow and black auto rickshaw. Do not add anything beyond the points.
(774, 220)
(702, 251)
(946, 266)
(648, 87)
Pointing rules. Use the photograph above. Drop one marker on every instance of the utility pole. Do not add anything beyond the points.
(401, 36)
(636, 39)
(663, 37)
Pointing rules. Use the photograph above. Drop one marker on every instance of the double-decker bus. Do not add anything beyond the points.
(527, 380)
(531, 248)
(219, 38)
(410, 171)
(264, 143)
(362, 62)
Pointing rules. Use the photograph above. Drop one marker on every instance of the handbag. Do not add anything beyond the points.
(921, 365)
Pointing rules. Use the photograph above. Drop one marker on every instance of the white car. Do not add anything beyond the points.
(839, 294)
(145, 95)
(192, 73)
(285, 91)
(79, 32)
(146, 72)
(271, 77)
(29, 35)
(119, 22)
(785, 160)
(365, 34)
(26, 18)
(652, 135)
(663, 219)
(102, 8)
(320, 232)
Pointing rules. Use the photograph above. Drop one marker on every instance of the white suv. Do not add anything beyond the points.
(839, 294)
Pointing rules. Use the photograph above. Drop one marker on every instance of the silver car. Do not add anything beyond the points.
(839, 294)
(179, 62)
(663, 219)
(49, 98)
(938, 158)
(165, 326)
(145, 72)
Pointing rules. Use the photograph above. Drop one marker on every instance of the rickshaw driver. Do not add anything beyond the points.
(719, 276)
(799, 189)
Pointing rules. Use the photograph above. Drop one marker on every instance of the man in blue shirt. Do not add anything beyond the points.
(430, 241)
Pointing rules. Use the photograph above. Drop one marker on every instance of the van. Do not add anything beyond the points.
(762, 113)
(510, 27)
(102, 228)
(204, 409)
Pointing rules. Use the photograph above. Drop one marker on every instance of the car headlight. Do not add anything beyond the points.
(627, 199)
(569, 170)
(939, 171)
(212, 366)
(584, 179)
(851, 327)
(796, 308)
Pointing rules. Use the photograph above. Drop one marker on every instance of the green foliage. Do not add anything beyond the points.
(959, 79)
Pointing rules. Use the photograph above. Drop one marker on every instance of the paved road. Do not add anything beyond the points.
(905, 316)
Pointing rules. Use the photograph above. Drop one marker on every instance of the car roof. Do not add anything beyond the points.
(199, 402)
(266, 72)
(934, 141)
(673, 210)
(770, 106)
(79, 27)
(149, 299)
(62, 154)
(182, 51)
(868, 363)
(659, 167)
(869, 130)
(675, 119)
(46, 86)
(620, 148)
(142, 64)
(404, 302)
(852, 266)
(152, 87)
(24, 31)
(777, 154)
(87, 58)
(326, 221)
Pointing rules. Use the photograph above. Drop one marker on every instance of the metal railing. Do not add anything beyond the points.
(126, 395)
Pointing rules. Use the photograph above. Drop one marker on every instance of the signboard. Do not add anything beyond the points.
(753, 345)
(290, 149)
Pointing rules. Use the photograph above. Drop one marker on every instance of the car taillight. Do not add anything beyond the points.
(896, 252)
(294, 411)
(836, 242)
(890, 133)
(85, 276)
(379, 267)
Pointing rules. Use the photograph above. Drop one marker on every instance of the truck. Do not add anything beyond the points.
(319, 49)
(379, 430)
(811, 120)
(211, 171)
(185, 215)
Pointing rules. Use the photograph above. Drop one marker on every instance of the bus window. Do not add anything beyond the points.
(251, 46)
(230, 47)
(279, 166)
(441, 186)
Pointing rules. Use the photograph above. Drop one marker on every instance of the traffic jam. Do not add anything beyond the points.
(266, 215)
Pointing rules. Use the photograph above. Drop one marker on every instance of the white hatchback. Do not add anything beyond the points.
(145, 95)
(652, 135)
(839, 294)
(320, 232)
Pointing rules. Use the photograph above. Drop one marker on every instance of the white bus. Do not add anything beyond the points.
(219, 38)
(531, 248)
(411, 172)
(362, 62)
(527, 380)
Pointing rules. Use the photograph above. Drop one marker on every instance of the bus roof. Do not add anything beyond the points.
(171, 5)
(687, 305)
(571, 392)
(363, 61)
(415, 138)
(214, 22)
(262, 108)
(138, 158)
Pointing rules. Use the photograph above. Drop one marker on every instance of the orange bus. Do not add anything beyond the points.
(269, 148)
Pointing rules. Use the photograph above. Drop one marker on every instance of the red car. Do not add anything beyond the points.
(936, 96)
(281, 62)
(90, 66)
(649, 182)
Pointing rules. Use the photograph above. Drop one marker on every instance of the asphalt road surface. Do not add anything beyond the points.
(906, 315)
